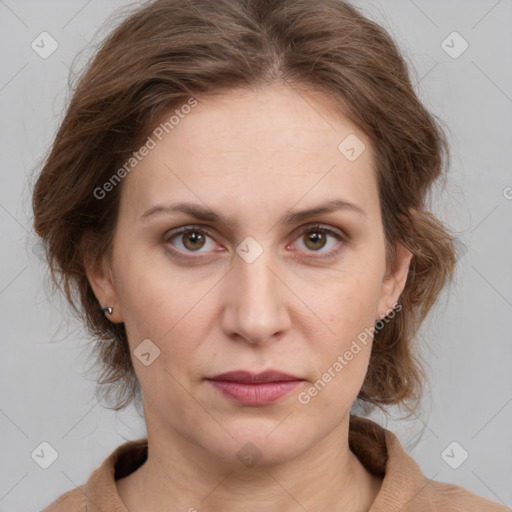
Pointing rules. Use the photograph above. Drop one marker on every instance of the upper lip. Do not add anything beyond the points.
(245, 376)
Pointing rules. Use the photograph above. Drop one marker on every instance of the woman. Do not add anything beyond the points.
(235, 203)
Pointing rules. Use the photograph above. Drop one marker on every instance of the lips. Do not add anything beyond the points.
(254, 378)
(250, 389)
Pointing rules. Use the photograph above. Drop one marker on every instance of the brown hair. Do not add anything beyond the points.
(168, 51)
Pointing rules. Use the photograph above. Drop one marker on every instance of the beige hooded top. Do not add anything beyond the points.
(404, 488)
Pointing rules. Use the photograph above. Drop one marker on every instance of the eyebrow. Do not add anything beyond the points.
(291, 217)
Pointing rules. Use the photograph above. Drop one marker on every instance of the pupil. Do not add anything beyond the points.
(315, 238)
(194, 238)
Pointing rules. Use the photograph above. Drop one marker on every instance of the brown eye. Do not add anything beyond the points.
(316, 238)
(193, 240)
(190, 240)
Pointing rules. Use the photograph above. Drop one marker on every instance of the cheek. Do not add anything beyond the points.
(162, 303)
(350, 307)
(351, 301)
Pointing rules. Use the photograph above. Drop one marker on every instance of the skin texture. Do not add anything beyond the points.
(252, 155)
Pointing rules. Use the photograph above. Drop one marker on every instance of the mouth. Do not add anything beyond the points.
(247, 388)
(254, 378)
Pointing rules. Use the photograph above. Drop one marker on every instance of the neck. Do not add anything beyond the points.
(183, 476)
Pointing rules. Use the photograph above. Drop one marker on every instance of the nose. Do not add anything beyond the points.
(254, 296)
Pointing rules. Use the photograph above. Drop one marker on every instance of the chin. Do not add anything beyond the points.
(260, 443)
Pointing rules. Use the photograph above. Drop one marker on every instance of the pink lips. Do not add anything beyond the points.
(254, 389)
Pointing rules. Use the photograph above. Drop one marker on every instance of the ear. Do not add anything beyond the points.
(394, 281)
(102, 282)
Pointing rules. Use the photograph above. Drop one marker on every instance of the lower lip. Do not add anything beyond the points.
(254, 394)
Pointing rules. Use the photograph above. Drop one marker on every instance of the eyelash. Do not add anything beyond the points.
(316, 228)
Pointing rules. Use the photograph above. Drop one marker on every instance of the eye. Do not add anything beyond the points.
(315, 238)
(191, 239)
(195, 239)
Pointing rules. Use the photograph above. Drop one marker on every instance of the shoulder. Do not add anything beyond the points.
(71, 501)
(453, 498)
(100, 491)
(404, 486)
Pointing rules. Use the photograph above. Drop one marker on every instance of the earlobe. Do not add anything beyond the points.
(100, 278)
(394, 281)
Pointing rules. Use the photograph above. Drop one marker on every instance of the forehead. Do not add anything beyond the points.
(254, 147)
(260, 121)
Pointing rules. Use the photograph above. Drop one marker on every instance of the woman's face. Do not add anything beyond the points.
(264, 289)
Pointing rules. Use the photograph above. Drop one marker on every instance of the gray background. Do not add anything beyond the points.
(45, 395)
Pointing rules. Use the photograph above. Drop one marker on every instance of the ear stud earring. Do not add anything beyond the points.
(107, 309)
